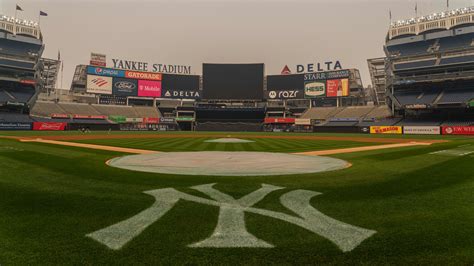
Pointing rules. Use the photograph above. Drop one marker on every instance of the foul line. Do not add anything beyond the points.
(365, 148)
(90, 146)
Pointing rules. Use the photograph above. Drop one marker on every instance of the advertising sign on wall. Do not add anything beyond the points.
(168, 120)
(279, 120)
(315, 89)
(385, 130)
(125, 87)
(421, 130)
(284, 94)
(143, 75)
(303, 122)
(98, 60)
(15, 126)
(108, 72)
(99, 85)
(49, 126)
(459, 130)
(337, 87)
(181, 94)
(148, 88)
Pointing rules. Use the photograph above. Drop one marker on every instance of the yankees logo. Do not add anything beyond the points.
(231, 231)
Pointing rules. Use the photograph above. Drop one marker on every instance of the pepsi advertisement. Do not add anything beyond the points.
(108, 72)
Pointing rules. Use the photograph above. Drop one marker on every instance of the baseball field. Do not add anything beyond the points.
(395, 200)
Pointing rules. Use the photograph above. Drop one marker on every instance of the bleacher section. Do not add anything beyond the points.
(417, 64)
(320, 113)
(20, 95)
(450, 43)
(354, 112)
(410, 49)
(456, 96)
(46, 109)
(417, 96)
(78, 109)
(379, 112)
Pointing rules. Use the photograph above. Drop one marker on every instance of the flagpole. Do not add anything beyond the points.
(14, 20)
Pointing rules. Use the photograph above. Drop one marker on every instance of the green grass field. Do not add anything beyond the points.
(419, 200)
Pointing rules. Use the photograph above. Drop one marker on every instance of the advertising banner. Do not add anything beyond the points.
(108, 72)
(15, 126)
(98, 60)
(385, 130)
(143, 75)
(185, 119)
(279, 120)
(284, 94)
(148, 88)
(99, 85)
(151, 120)
(303, 122)
(315, 89)
(134, 120)
(125, 87)
(458, 130)
(118, 118)
(181, 94)
(337, 88)
(49, 126)
(63, 116)
(99, 117)
(421, 130)
(167, 120)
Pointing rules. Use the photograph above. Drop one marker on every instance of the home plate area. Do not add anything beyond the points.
(213, 163)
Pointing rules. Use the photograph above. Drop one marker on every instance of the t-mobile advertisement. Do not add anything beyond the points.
(148, 88)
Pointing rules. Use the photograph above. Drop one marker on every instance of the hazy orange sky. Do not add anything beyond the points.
(190, 32)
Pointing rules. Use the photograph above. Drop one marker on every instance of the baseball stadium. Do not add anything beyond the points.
(154, 164)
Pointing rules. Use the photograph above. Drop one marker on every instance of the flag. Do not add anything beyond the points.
(44, 14)
(447, 4)
(18, 8)
(59, 55)
(390, 14)
(416, 8)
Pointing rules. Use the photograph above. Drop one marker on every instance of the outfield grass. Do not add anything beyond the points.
(420, 204)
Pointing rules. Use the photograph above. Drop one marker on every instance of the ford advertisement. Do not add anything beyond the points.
(125, 87)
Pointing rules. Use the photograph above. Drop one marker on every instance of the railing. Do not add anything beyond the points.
(17, 26)
(443, 20)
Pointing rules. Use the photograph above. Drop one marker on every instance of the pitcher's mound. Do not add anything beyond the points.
(229, 140)
(228, 163)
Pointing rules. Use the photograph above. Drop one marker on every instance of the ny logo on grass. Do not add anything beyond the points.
(230, 231)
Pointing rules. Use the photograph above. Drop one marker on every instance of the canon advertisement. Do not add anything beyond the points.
(149, 88)
(125, 87)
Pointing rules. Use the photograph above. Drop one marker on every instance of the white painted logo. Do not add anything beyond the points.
(231, 231)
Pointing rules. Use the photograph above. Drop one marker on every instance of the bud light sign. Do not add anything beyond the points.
(109, 72)
(148, 88)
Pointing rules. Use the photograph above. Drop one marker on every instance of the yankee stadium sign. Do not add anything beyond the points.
(146, 67)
